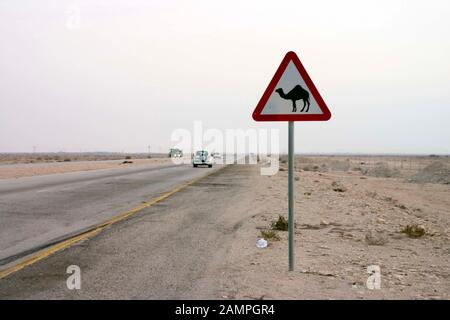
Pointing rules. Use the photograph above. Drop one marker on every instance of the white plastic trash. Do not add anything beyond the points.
(261, 243)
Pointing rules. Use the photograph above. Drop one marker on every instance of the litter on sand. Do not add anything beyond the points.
(261, 243)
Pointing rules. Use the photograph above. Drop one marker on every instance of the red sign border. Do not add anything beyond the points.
(291, 56)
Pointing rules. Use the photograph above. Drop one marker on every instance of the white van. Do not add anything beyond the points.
(202, 158)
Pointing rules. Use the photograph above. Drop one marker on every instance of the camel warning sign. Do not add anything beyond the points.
(291, 95)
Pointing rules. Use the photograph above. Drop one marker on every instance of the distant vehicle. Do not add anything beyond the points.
(202, 158)
(175, 153)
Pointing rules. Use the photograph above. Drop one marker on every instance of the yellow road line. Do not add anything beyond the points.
(95, 230)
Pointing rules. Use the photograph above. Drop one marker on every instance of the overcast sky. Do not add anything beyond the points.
(127, 73)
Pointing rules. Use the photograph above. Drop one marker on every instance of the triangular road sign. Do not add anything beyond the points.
(291, 95)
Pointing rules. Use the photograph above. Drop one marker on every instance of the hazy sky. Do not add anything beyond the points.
(127, 73)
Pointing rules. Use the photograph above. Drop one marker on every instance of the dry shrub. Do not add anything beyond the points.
(338, 187)
(281, 224)
(414, 231)
(270, 235)
(311, 168)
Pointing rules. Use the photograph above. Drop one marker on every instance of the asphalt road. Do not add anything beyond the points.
(40, 210)
(174, 249)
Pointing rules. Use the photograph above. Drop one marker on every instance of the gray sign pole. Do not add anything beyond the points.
(291, 195)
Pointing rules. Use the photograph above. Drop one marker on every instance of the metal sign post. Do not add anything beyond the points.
(291, 195)
(291, 96)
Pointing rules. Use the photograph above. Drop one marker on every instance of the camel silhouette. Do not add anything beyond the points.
(297, 93)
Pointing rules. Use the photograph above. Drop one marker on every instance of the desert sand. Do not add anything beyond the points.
(350, 214)
(36, 169)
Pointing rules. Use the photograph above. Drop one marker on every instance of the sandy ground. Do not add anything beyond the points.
(54, 157)
(339, 234)
(33, 169)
